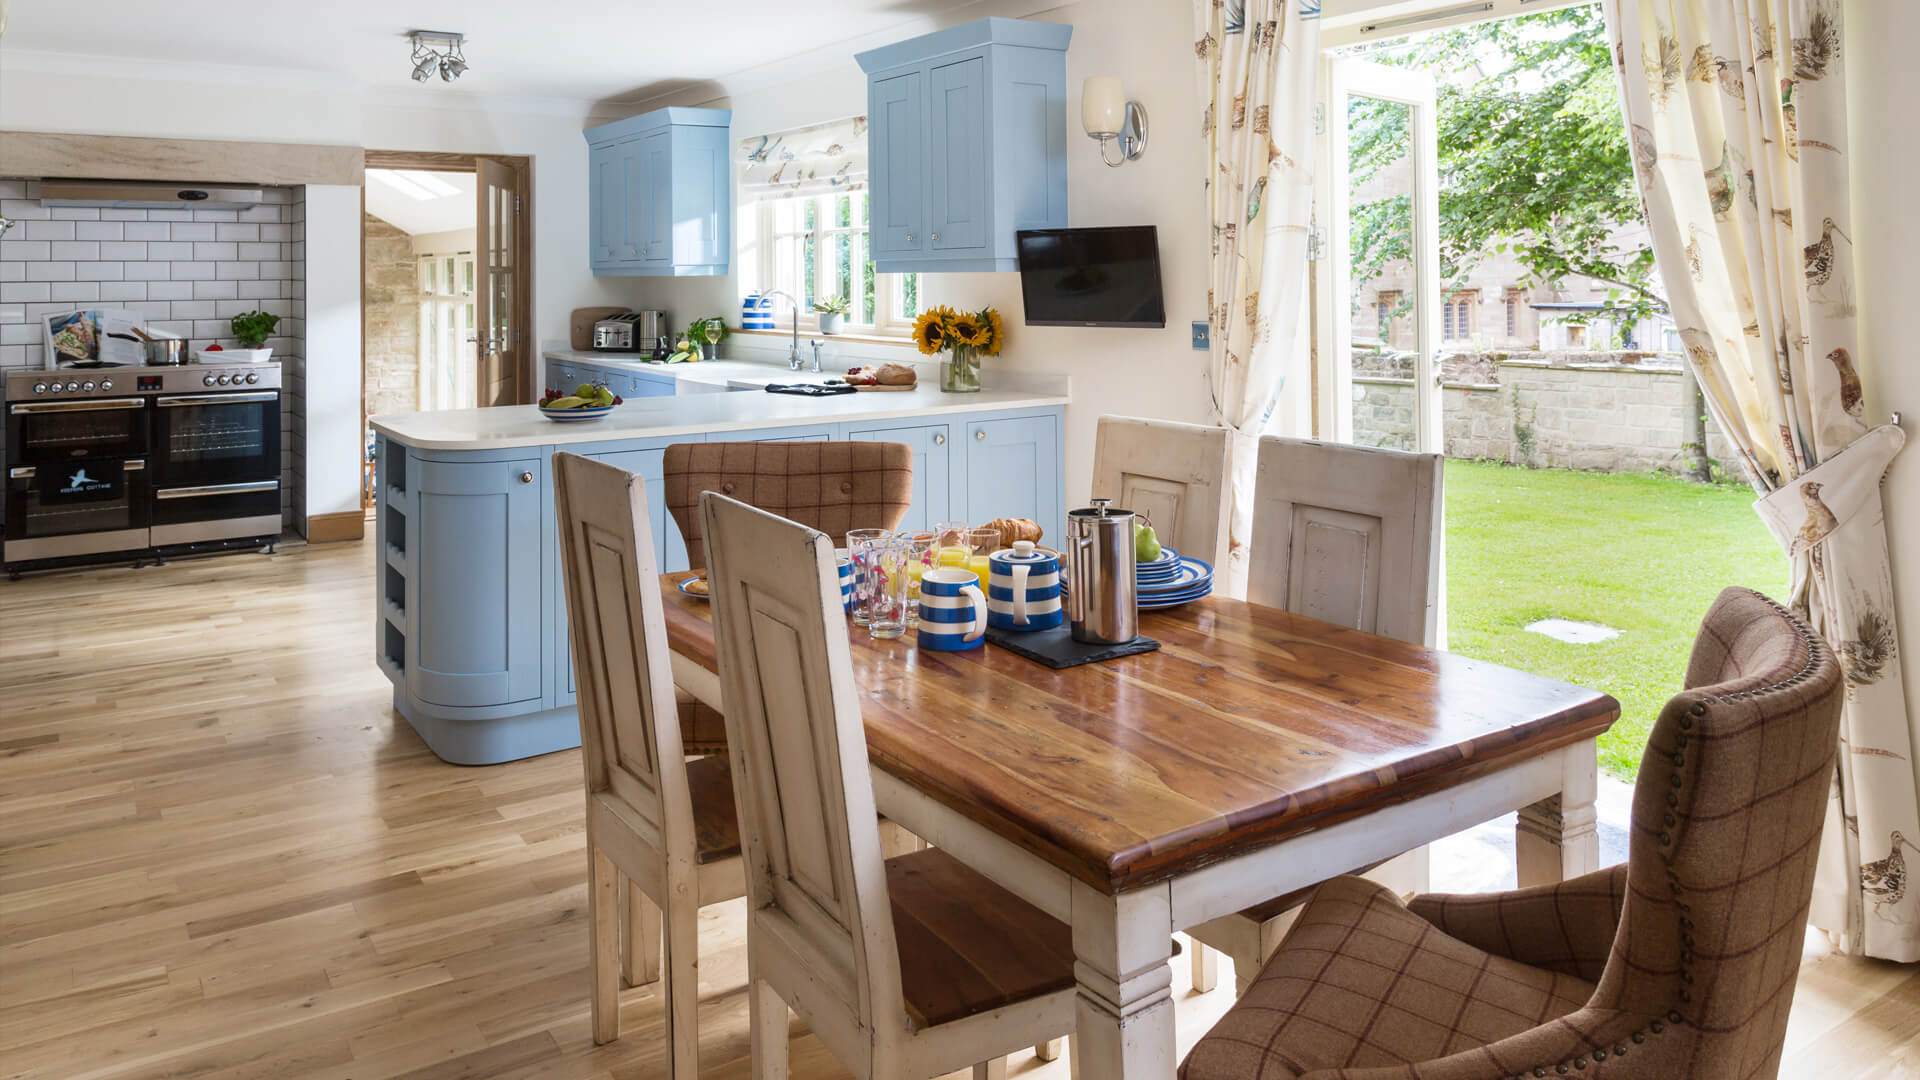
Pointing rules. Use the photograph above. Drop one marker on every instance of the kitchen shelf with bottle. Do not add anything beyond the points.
(469, 613)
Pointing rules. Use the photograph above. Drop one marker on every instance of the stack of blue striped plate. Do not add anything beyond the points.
(1169, 581)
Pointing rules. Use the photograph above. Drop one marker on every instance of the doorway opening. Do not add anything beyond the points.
(446, 278)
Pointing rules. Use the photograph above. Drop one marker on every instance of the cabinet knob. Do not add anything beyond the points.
(526, 478)
(909, 238)
(935, 238)
(980, 435)
(940, 439)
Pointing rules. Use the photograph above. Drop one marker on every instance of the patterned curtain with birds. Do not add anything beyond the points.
(1257, 60)
(1738, 116)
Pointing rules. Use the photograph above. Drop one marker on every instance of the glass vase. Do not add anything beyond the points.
(960, 372)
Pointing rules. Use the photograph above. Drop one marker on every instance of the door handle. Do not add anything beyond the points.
(935, 238)
(940, 439)
(216, 399)
(216, 489)
(77, 406)
(980, 435)
(526, 478)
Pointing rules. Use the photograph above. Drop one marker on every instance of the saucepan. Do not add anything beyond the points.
(159, 351)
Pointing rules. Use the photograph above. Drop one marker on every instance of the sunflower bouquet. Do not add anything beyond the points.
(967, 335)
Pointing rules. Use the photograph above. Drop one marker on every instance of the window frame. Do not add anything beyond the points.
(447, 319)
(890, 318)
(1462, 329)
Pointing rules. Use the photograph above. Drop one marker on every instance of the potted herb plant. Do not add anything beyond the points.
(832, 312)
(251, 330)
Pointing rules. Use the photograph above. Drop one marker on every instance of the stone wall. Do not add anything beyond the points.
(393, 320)
(1610, 412)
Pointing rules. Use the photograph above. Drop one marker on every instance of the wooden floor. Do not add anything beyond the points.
(225, 856)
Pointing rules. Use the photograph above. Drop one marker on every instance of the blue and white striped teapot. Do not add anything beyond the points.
(1023, 588)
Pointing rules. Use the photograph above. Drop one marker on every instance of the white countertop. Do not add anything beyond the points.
(724, 374)
(687, 414)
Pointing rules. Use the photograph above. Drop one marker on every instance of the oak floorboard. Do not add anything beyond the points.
(223, 855)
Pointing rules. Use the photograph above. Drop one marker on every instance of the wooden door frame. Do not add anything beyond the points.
(439, 161)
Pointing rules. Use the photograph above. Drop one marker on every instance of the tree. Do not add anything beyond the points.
(1533, 158)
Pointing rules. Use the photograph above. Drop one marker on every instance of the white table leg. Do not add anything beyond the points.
(1558, 837)
(1123, 1019)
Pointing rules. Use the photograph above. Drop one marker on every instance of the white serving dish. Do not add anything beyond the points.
(224, 355)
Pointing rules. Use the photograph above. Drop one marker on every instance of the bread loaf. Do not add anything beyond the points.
(1012, 529)
(895, 375)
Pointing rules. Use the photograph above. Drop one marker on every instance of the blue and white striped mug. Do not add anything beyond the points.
(953, 610)
(1023, 588)
(845, 563)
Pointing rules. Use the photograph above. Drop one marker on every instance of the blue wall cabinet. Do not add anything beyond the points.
(932, 470)
(660, 194)
(966, 144)
(476, 604)
(1013, 470)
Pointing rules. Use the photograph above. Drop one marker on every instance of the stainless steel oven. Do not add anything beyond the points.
(76, 475)
(216, 460)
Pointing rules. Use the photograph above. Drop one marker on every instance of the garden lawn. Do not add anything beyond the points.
(1643, 554)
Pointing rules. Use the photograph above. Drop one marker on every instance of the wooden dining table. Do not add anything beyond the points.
(1253, 754)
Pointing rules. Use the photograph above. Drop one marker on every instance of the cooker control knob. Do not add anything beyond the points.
(87, 386)
(206, 380)
(222, 380)
(53, 388)
(106, 384)
(39, 388)
(252, 377)
(73, 388)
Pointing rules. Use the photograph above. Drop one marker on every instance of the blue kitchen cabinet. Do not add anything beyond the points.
(932, 472)
(660, 194)
(966, 144)
(1012, 467)
(474, 545)
(649, 385)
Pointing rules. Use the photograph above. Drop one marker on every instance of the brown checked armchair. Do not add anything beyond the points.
(1678, 965)
(830, 486)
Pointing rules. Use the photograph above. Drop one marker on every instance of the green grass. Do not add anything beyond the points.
(1643, 554)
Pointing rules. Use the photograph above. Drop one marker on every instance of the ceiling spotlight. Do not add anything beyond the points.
(438, 50)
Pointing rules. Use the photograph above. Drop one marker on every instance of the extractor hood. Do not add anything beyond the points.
(142, 195)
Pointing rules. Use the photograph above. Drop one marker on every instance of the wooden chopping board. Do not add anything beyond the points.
(580, 324)
(863, 389)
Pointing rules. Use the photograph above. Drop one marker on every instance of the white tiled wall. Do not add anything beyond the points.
(189, 272)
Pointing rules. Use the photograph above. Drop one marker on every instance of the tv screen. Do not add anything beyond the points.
(1091, 277)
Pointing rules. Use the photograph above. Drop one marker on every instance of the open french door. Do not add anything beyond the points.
(1357, 173)
(500, 296)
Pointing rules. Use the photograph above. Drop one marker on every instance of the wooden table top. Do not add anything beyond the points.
(1247, 726)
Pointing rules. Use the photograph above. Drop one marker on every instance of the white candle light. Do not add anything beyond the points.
(1103, 106)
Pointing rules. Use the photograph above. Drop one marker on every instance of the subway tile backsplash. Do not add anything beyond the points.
(187, 271)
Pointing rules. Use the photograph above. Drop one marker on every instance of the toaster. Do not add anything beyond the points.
(632, 331)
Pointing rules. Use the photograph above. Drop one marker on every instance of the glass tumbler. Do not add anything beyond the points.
(857, 541)
(888, 578)
(950, 543)
(924, 551)
(981, 543)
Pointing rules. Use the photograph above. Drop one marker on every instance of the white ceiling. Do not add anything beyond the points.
(570, 50)
(442, 213)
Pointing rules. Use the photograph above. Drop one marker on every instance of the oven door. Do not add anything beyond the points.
(207, 512)
(207, 439)
(58, 432)
(83, 507)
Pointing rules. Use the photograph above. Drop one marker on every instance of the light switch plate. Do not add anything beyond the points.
(1202, 338)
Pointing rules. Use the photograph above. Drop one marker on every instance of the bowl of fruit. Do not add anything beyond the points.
(589, 401)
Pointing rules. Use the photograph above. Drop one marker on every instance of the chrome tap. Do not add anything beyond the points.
(793, 353)
(816, 356)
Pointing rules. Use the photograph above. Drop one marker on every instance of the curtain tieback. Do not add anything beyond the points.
(1804, 512)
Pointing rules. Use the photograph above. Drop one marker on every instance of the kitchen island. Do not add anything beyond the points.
(470, 620)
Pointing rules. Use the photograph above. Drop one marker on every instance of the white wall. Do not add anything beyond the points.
(451, 242)
(1135, 372)
(333, 424)
(1882, 85)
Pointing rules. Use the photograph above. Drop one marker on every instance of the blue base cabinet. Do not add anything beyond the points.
(470, 614)
(660, 194)
(966, 144)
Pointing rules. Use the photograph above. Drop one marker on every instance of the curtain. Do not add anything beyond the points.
(1738, 118)
(1257, 60)
(820, 159)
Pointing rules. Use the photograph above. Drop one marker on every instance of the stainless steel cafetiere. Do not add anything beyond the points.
(1101, 606)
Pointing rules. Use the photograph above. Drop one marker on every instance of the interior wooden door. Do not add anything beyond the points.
(500, 308)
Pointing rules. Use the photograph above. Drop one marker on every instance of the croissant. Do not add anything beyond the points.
(1011, 529)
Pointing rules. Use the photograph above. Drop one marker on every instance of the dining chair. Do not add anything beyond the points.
(1677, 965)
(829, 486)
(663, 825)
(1173, 473)
(906, 967)
(1350, 535)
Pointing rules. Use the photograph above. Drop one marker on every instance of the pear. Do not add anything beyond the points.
(1146, 544)
(571, 402)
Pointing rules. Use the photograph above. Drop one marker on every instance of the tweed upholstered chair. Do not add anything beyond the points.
(829, 486)
(1678, 965)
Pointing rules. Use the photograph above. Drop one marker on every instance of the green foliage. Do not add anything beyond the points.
(1642, 553)
(832, 305)
(253, 328)
(711, 330)
(1533, 157)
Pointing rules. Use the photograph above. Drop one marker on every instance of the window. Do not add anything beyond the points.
(1576, 336)
(1513, 314)
(1387, 303)
(815, 246)
(448, 362)
(1457, 316)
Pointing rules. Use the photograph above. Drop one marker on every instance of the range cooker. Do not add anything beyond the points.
(117, 463)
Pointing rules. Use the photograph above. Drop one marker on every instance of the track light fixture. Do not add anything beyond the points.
(438, 50)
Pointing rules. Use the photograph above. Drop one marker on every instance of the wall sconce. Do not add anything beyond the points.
(1108, 116)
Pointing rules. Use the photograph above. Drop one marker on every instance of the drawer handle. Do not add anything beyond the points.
(526, 478)
(940, 439)
(980, 435)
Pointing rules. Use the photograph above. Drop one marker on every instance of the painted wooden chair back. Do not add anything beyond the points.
(1174, 473)
(821, 926)
(629, 724)
(1350, 535)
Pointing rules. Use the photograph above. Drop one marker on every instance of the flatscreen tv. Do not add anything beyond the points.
(1091, 277)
